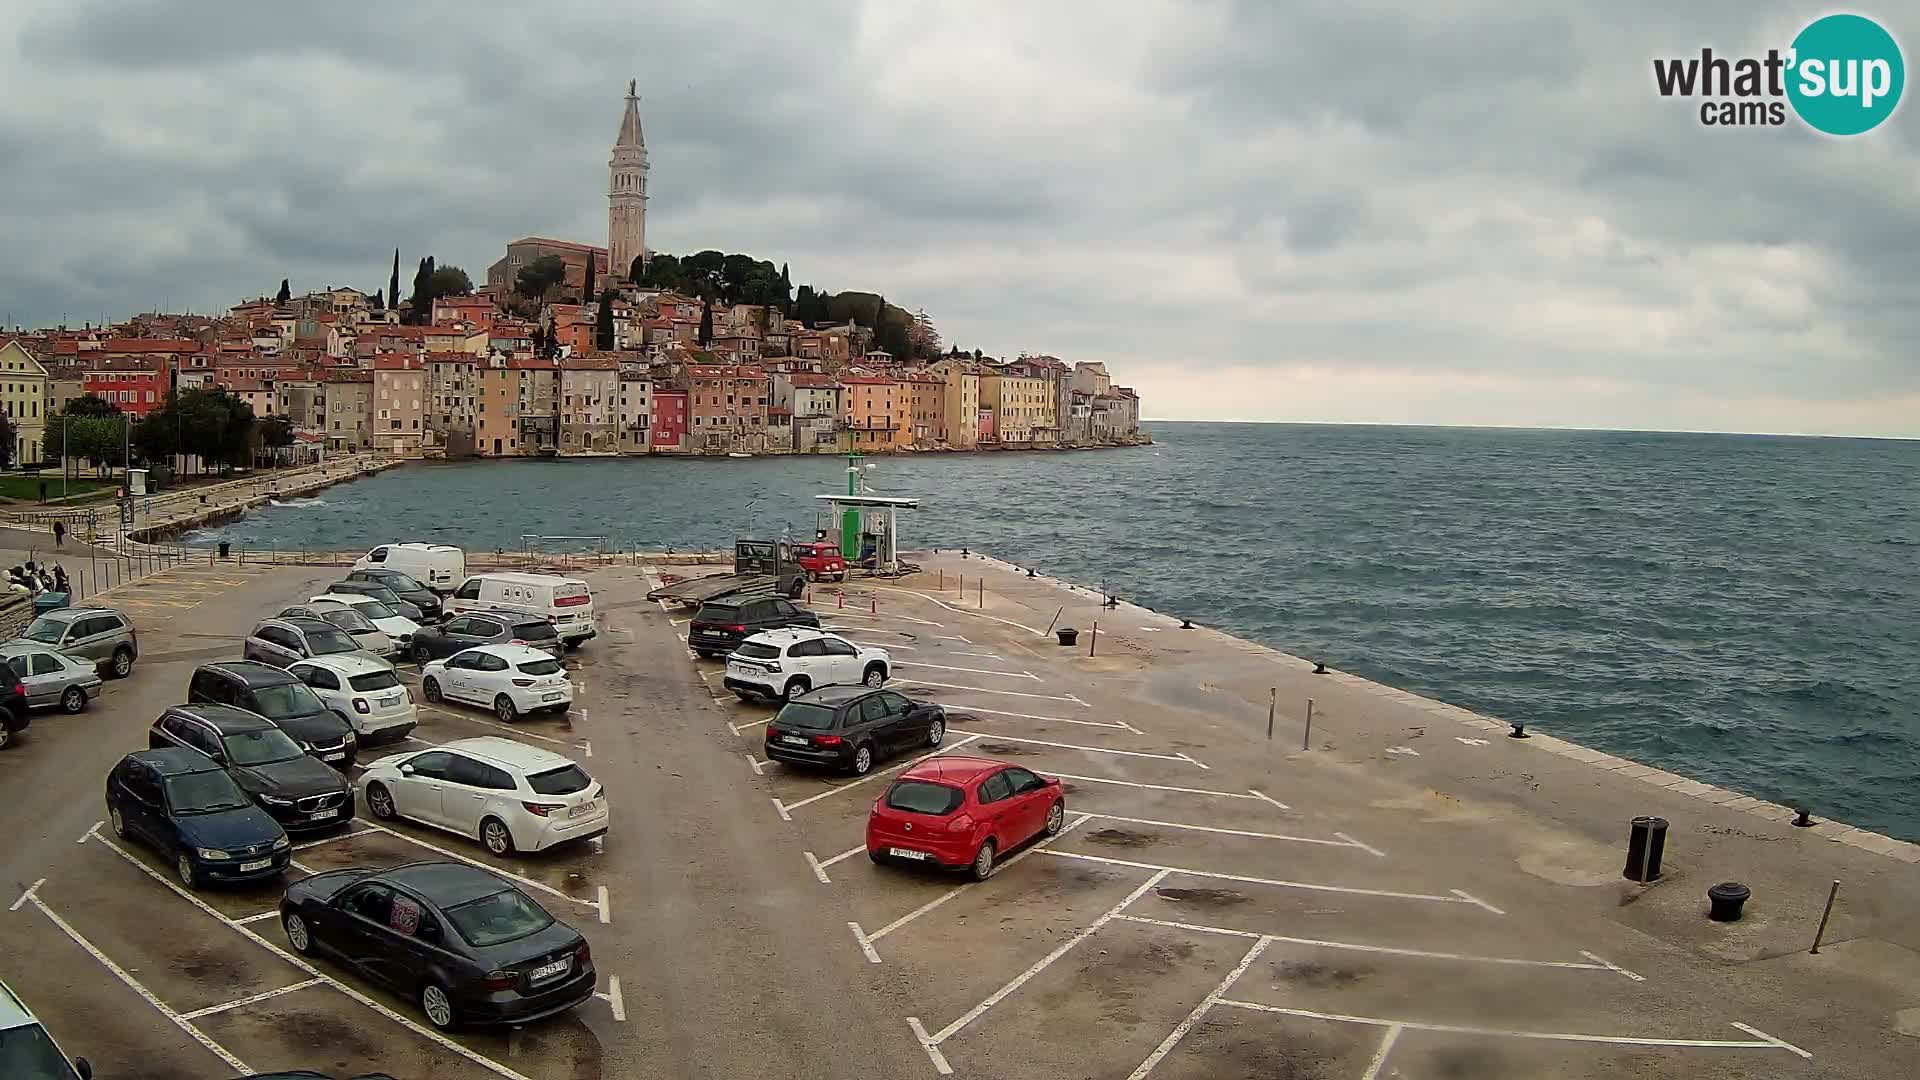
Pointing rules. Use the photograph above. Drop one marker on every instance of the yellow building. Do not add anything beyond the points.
(958, 422)
(879, 413)
(23, 394)
(1022, 406)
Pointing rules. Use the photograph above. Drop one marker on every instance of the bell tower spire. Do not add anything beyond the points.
(627, 190)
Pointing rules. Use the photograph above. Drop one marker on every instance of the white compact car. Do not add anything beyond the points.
(390, 622)
(512, 797)
(509, 679)
(365, 692)
(782, 663)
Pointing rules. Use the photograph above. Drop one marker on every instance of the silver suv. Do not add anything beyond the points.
(101, 635)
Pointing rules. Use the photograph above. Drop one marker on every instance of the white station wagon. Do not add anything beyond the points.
(510, 796)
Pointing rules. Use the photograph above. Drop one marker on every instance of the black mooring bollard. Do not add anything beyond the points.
(1519, 730)
(1725, 900)
(1645, 845)
(1186, 624)
(1319, 668)
(1068, 635)
(1029, 571)
(1804, 819)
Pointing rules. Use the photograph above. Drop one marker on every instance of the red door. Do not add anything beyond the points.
(1032, 799)
(1001, 809)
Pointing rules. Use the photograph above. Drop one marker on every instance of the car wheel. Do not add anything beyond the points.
(982, 867)
(494, 834)
(570, 646)
(422, 655)
(1056, 816)
(879, 857)
(437, 1005)
(380, 801)
(122, 662)
(119, 823)
(862, 760)
(503, 708)
(188, 875)
(876, 675)
(74, 700)
(6, 735)
(799, 586)
(430, 687)
(298, 935)
(936, 733)
(795, 687)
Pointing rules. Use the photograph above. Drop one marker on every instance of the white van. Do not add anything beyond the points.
(565, 602)
(437, 566)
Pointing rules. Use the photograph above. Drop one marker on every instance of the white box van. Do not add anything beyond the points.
(439, 567)
(565, 602)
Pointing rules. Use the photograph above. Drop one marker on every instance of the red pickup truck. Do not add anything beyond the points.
(822, 562)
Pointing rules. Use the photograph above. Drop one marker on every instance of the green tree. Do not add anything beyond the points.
(419, 287)
(379, 299)
(275, 432)
(786, 287)
(447, 280)
(586, 287)
(90, 405)
(285, 294)
(535, 278)
(7, 439)
(706, 324)
(603, 323)
(393, 283)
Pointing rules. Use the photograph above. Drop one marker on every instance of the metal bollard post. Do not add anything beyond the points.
(1822, 932)
(1273, 697)
(1306, 736)
(983, 592)
(1055, 619)
(875, 602)
(1093, 638)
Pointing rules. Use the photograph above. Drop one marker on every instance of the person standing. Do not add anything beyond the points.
(59, 533)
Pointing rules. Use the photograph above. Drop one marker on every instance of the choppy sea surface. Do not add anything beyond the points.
(1741, 609)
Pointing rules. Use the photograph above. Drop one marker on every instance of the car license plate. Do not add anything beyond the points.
(551, 697)
(394, 700)
(338, 755)
(257, 864)
(548, 971)
(794, 740)
(907, 853)
(738, 669)
(584, 808)
(323, 815)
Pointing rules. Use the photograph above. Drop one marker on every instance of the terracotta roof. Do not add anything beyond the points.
(396, 363)
(531, 363)
(867, 380)
(149, 345)
(116, 365)
(563, 244)
(590, 363)
(807, 379)
(439, 357)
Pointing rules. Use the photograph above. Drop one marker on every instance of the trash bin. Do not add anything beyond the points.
(1645, 845)
(1068, 635)
(224, 549)
(49, 601)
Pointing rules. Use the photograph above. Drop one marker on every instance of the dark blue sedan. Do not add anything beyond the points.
(183, 804)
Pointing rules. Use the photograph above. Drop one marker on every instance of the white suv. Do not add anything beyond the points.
(511, 796)
(783, 663)
(364, 691)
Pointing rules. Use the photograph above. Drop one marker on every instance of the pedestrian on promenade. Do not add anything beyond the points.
(59, 533)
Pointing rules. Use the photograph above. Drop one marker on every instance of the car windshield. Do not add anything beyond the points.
(394, 579)
(329, 641)
(539, 667)
(204, 793)
(349, 620)
(374, 680)
(46, 631)
(803, 714)
(374, 609)
(564, 780)
(920, 797)
(535, 631)
(261, 747)
(504, 916)
(758, 650)
(285, 700)
(28, 1053)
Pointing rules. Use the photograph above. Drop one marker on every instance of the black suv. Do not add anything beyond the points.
(483, 628)
(721, 625)
(406, 588)
(280, 697)
(298, 791)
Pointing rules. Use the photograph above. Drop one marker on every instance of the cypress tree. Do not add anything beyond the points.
(393, 283)
(285, 294)
(603, 323)
(706, 324)
(586, 291)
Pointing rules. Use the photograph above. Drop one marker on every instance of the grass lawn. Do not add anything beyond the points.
(27, 488)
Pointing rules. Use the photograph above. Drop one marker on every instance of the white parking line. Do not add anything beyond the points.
(1248, 794)
(969, 670)
(787, 808)
(749, 725)
(1213, 996)
(820, 866)
(1420, 954)
(1380, 1056)
(951, 637)
(1275, 882)
(27, 895)
(492, 724)
(758, 766)
(331, 839)
(1118, 725)
(261, 917)
(1088, 749)
(1008, 693)
(135, 985)
(249, 1000)
(1344, 842)
(840, 614)
(613, 999)
(492, 869)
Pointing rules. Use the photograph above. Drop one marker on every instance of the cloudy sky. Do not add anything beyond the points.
(1351, 210)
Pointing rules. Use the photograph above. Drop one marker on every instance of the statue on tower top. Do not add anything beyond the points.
(631, 84)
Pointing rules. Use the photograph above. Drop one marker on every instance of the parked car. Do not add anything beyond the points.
(277, 695)
(821, 560)
(954, 812)
(27, 1051)
(438, 566)
(564, 601)
(365, 693)
(100, 635)
(513, 797)
(282, 641)
(289, 784)
(483, 628)
(407, 588)
(181, 803)
(368, 637)
(851, 727)
(13, 712)
(721, 625)
(784, 664)
(391, 622)
(509, 679)
(464, 944)
(51, 679)
(381, 593)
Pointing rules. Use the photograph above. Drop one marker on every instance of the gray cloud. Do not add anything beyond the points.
(1350, 197)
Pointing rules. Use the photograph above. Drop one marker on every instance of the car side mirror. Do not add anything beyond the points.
(406, 770)
(85, 1069)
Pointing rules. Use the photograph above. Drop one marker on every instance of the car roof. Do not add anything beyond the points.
(253, 672)
(446, 883)
(225, 719)
(787, 635)
(68, 614)
(836, 695)
(13, 1012)
(19, 646)
(952, 769)
(175, 760)
(509, 652)
(515, 577)
(306, 625)
(346, 663)
(503, 751)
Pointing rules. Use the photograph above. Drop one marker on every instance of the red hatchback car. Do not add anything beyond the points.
(957, 812)
(822, 562)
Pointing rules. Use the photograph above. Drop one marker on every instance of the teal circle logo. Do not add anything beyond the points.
(1847, 75)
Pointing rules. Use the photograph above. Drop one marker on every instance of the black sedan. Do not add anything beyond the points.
(462, 632)
(467, 946)
(851, 727)
(403, 586)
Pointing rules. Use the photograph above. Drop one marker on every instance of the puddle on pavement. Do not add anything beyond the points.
(1204, 897)
(1320, 976)
(576, 885)
(1005, 750)
(1126, 838)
